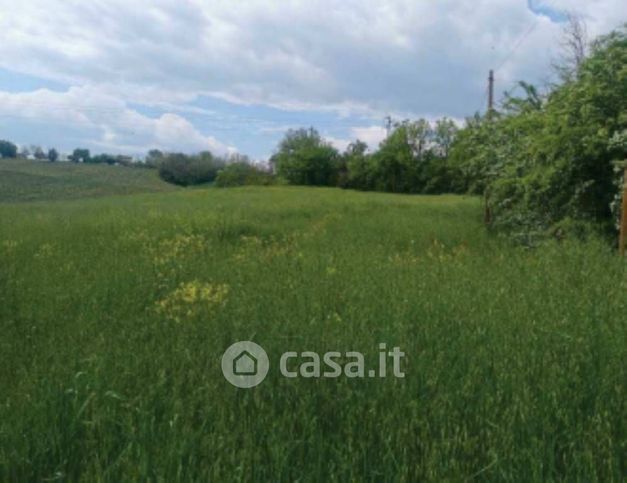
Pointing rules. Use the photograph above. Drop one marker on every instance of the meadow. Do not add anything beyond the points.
(115, 312)
(22, 180)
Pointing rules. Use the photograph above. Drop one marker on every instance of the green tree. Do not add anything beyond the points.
(444, 134)
(53, 155)
(304, 158)
(394, 163)
(419, 135)
(399, 162)
(356, 171)
(7, 149)
(80, 156)
(154, 157)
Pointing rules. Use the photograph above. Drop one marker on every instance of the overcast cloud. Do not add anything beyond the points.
(126, 76)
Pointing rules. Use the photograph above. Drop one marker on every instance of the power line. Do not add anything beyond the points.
(518, 44)
(489, 94)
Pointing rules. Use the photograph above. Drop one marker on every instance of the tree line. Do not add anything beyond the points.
(79, 155)
(10, 150)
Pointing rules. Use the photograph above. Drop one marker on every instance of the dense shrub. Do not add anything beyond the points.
(242, 173)
(544, 161)
(185, 170)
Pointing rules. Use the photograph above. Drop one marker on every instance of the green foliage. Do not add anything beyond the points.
(544, 160)
(304, 158)
(7, 149)
(515, 367)
(53, 155)
(104, 159)
(413, 159)
(395, 163)
(184, 170)
(444, 134)
(80, 156)
(242, 173)
(154, 158)
(356, 167)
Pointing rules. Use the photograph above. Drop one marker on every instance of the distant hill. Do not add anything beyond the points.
(22, 180)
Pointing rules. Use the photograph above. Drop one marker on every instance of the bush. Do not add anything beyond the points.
(184, 170)
(241, 174)
(547, 164)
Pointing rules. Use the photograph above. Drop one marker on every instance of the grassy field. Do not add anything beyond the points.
(110, 358)
(22, 180)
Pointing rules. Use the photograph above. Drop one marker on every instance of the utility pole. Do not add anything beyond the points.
(388, 126)
(487, 207)
(622, 241)
(491, 92)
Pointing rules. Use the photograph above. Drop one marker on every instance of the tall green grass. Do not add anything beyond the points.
(515, 358)
(23, 180)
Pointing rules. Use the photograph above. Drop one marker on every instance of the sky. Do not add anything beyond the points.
(124, 77)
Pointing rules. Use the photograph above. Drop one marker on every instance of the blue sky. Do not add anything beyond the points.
(190, 75)
(546, 9)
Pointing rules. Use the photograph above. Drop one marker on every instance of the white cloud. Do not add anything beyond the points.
(416, 56)
(106, 121)
(337, 143)
(372, 135)
(349, 58)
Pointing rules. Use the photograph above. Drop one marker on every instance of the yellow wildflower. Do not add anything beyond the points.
(192, 299)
